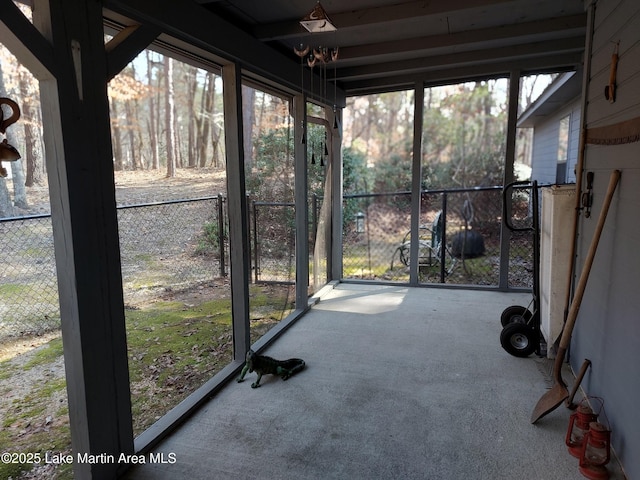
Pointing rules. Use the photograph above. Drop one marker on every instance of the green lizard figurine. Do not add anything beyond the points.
(264, 365)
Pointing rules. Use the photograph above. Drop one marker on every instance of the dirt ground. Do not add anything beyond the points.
(143, 186)
(131, 188)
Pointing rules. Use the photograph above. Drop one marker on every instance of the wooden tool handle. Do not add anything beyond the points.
(584, 276)
(576, 384)
(613, 68)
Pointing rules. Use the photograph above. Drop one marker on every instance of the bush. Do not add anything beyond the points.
(209, 241)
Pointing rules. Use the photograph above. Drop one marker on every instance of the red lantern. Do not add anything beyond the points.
(578, 428)
(596, 452)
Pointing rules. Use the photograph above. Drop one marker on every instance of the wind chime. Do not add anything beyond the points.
(8, 153)
(321, 56)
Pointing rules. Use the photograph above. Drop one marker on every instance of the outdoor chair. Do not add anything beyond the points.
(429, 246)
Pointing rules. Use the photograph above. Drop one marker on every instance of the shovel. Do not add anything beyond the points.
(558, 393)
(576, 385)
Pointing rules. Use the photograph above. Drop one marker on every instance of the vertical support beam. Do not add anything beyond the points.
(510, 155)
(238, 211)
(301, 202)
(416, 182)
(79, 160)
(335, 253)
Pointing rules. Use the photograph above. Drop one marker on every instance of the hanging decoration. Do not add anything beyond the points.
(314, 22)
(317, 21)
(8, 153)
(610, 89)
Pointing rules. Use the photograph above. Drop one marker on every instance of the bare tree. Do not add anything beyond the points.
(115, 135)
(248, 119)
(169, 118)
(151, 120)
(205, 117)
(30, 121)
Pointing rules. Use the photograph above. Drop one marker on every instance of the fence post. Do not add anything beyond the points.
(221, 235)
(314, 216)
(256, 248)
(443, 241)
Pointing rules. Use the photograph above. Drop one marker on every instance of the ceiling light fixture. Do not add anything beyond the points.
(317, 20)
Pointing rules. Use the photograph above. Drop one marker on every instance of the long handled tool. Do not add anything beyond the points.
(558, 393)
(576, 385)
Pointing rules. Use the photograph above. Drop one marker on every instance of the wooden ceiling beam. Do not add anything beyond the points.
(25, 41)
(429, 63)
(458, 74)
(560, 26)
(126, 46)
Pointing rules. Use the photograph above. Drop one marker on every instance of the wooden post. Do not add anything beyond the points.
(238, 211)
(335, 239)
(416, 183)
(301, 208)
(83, 208)
(510, 155)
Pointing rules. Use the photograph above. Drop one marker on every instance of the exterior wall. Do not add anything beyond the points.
(608, 326)
(574, 141)
(545, 145)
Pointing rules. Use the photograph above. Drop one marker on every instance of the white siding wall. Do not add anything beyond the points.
(608, 327)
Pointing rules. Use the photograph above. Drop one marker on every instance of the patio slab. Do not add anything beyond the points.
(400, 383)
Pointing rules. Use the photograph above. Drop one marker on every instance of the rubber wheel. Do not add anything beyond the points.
(519, 340)
(515, 314)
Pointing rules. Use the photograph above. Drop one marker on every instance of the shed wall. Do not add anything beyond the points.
(545, 145)
(608, 326)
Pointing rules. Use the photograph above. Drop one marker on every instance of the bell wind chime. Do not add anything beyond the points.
(317, 56)
(8, 153)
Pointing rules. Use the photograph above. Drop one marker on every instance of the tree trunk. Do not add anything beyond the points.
(131, 120)
(34, 174)
(192, 75)
(169, 118)
(206, 113)
(248, 117)
(115, 135)
(215, 130)
(151, 123)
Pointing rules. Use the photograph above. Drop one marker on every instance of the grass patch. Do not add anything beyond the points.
(13, 289)
(47, 354)
(36, 421)
(13, 470)
(174, 347)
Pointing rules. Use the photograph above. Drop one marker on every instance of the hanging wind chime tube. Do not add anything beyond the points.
(334, 58)
(318, 21)
(302, 53)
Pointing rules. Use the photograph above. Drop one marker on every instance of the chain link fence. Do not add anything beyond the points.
(165, 247)
(273, 242)
(182, 245)
(171, 246)
(458, 240)
(28, 282)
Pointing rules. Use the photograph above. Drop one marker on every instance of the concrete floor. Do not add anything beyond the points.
(400, 383)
